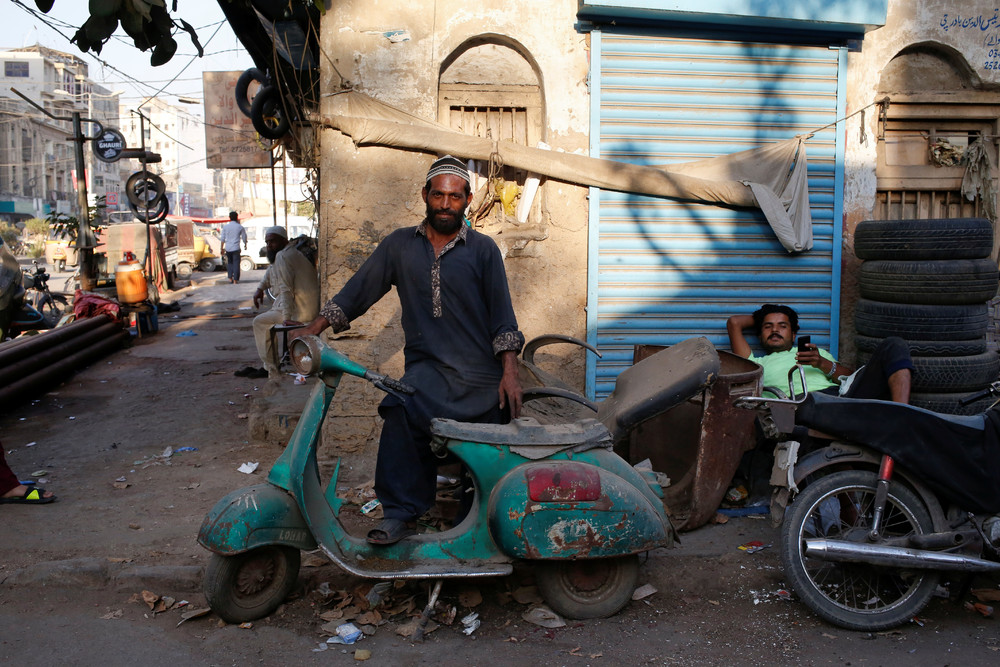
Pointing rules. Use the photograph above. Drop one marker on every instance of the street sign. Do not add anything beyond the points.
(111, 199)
(108, 145)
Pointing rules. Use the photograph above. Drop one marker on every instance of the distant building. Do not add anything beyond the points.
(37, 163)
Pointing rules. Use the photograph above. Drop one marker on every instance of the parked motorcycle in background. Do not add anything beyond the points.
(17, 312)
(51, 306)
(891, 499)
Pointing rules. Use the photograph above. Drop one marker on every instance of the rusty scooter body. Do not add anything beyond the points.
(555, 495)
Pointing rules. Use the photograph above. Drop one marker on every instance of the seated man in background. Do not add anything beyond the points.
(886, 376)
(295, 288)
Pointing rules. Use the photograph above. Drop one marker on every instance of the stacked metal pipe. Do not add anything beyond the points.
(31, 364)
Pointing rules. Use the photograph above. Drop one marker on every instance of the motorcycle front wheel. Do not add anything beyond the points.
(856, 596)
(252, 584)
(588, 588)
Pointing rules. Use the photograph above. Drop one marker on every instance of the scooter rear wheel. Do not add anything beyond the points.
(856, 596)
(252, 584)
(588, 588)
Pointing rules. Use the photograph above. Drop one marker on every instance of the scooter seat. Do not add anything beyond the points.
(658, 383)
(525, 435)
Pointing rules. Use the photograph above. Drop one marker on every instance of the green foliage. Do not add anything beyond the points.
(68, 225)
(36, 227)
(147, 22)
(9, 234)
(305, 208)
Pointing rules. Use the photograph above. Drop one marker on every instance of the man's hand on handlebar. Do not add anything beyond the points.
(314, 328)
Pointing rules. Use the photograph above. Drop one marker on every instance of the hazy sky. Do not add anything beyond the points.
(129, 69)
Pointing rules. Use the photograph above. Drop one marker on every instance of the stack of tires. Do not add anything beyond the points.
(928, 282)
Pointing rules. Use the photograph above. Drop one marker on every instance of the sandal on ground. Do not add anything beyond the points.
(31, 496)
(389, 531)
(256, 374)
(245, 371)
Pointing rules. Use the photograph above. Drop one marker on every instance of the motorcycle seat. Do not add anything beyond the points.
(525, 433)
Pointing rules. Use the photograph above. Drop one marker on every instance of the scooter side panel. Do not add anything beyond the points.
(252, 517)
(622, 520)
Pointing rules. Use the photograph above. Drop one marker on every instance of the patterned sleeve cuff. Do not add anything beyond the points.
(335, 316)
(508, 341)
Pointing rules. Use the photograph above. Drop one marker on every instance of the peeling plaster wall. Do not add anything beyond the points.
(970, 28)
(393, 51)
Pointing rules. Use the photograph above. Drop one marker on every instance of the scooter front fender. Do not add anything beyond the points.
(252, 517)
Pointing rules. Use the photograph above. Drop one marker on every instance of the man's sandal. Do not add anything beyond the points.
(389, 531)
(31, 496)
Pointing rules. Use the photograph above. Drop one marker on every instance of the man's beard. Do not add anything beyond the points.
(271, 255)
(448, 223)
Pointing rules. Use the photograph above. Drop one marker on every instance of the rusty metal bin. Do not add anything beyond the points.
(699, 443)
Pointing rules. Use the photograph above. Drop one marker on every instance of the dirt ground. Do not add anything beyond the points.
(127, 518)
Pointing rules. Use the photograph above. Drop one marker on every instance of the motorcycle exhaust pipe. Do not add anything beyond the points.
(877, 554)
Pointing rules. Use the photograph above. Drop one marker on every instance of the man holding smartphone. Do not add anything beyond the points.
(885, 377)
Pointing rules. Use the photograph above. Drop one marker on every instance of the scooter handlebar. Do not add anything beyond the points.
(390, 385)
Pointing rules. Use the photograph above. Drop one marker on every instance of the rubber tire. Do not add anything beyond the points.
(54, 308)
(952, 374)
(941, 238)
(920, 322)
(928, 348)
(184, 270)
(589, 587)
(135, 183)
(948, 403)
(206, 265)
(939, 281)
(243, 88)
(267, 105)
(277, 568)
(791, 545)
(246, 264)
(156, 215)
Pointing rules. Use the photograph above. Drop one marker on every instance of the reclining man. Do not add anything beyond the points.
(886, 376)
(295, 288)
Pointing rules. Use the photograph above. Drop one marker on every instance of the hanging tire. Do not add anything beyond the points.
(932, 281)
(139, 188)
(588, 588)
(243, 102)
(157, 213)
(252, 584)
(267, 115)
(952, 374)
(920, 322)
(855, 596)
(927, 348)
(246, 264)
(950, 403)
(942, 238)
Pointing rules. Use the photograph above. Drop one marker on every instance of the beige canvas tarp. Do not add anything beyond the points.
(772, 178)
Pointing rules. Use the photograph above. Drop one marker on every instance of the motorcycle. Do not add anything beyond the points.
(16, 316)
(555, 495)
(51, 306)
(894, 496)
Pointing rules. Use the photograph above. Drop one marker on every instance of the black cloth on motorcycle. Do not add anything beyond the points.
(457, 317)
(658, 383)
(958, 457)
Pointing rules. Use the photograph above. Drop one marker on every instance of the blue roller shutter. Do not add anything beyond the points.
(663, 270)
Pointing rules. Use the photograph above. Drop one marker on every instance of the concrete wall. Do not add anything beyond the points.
(965, 31)
(394, 51)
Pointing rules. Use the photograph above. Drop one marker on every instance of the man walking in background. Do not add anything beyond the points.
(232, 234)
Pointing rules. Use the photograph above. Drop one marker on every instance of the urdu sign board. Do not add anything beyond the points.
(231, 142)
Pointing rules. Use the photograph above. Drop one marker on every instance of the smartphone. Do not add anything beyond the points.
(803, 341)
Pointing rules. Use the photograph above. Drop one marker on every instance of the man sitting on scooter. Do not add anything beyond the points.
(886, 376)
(461, 340)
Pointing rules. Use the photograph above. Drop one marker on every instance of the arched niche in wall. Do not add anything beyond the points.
(940, 116)
(491, 87)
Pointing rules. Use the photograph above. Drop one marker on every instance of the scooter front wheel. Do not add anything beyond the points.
(588, 588)
(856, 596)
(252, 584)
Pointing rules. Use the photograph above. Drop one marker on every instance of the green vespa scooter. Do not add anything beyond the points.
(555, 495)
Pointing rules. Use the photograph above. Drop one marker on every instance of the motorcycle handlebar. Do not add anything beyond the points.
(993, 389)
(388, 384)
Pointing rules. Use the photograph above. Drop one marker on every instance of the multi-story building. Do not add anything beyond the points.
(37, 160)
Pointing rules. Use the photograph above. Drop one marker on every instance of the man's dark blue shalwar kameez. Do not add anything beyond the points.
(457, 318)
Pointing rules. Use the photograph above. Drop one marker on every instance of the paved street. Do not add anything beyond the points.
(72, 573)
